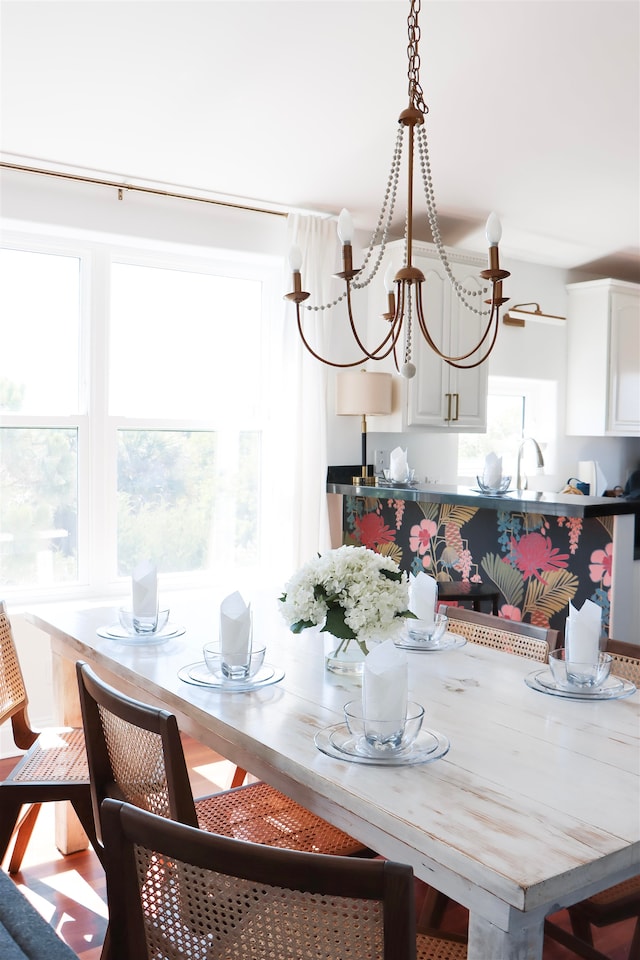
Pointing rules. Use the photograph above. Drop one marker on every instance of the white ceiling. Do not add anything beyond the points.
(534, 108)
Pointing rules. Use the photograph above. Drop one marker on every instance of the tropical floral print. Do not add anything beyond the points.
(538, 563)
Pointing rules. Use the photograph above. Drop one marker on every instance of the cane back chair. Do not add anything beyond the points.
(522, 639)
(135, 753)
(54, 766)
(175, 892)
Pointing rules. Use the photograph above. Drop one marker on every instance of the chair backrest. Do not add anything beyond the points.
(13, 694)
(134, 752)
(626, 660)
(175, 891)
(523, 639)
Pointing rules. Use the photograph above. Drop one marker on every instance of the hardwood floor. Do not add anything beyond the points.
(70, 891)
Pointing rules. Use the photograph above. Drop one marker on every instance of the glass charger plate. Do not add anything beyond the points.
(448, 641)
(486, 494)
(337, 742)
(116, 632)
(614, 688)
(199, 676)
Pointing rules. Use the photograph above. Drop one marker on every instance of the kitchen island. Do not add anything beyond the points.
(540, 550)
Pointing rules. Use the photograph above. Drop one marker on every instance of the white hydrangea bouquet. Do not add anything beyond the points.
(355, 593)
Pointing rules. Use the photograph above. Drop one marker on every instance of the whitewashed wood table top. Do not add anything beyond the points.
(536, 805)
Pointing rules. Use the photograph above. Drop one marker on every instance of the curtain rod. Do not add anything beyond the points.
(120, 187)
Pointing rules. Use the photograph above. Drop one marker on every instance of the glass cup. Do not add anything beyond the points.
(142, 626)
(428, 632)
(573, 673)
(223, 670)
(380, 734)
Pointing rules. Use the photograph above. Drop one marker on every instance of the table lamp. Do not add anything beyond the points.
(360, 393)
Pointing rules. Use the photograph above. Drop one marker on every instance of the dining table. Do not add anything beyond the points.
(530, 803)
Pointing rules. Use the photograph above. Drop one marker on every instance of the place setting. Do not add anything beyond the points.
(233, 662)
(427, 633)
(580, 670)
(143, 622)
(493, 483)
(383, 727)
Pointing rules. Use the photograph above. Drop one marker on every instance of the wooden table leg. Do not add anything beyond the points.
(70, 837)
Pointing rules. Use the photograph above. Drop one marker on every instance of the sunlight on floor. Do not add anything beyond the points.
(75, 888)
(219, 773)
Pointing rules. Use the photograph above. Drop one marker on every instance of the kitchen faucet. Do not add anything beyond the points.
(519, 484)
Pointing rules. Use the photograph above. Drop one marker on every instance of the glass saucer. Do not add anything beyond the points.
(339, 743)
(448, 641)
(199, 675)
(614, 688)
(497, 493)
(355, 746)
(117, 632)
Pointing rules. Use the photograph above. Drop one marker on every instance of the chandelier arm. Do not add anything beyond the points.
(455, 360)
(477, 363)
(378, 353)
(329, 363)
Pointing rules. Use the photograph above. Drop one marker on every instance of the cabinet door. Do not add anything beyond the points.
(624, 364)
(427, 400)
(468, 387)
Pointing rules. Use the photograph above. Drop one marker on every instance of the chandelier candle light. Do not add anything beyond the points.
(405, 302)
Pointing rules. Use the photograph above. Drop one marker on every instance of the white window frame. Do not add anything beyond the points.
(97, 432)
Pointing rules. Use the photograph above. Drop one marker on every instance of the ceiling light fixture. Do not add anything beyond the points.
(405, 303)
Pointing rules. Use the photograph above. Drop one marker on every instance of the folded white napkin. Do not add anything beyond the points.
(582, 640)
(144, 589)
(385, 688)
(492, 474)
(423, 596)
(398, 466)
(235, 630)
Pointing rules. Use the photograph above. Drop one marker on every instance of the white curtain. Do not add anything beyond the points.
(304, 521)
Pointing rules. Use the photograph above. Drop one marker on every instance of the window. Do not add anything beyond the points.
(132, 415)
(516, 408)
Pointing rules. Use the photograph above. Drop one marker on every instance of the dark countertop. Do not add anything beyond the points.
(519, 501)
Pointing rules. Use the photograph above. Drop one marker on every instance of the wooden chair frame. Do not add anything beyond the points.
(54, 766)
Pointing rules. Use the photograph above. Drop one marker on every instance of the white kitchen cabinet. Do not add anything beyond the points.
(603, 369)
(440, 397)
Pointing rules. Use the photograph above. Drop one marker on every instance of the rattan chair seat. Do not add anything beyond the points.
(259, 813)
(56, 755)
(439, 948)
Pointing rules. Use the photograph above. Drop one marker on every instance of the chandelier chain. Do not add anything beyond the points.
(416, 93)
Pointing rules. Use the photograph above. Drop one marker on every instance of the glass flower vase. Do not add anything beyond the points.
(345, 657)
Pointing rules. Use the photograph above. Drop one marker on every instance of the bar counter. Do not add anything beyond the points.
(520, 501)
(541, 550)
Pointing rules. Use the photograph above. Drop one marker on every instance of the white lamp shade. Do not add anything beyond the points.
(361, 392)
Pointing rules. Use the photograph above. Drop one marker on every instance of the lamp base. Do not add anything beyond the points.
(361, 481)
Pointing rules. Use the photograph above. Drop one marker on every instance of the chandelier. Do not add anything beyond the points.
(404, 287)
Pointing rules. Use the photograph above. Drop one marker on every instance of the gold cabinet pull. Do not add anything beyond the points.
(457, 396)
(448, 416)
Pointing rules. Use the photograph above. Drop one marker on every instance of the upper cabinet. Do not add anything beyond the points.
(603, 369)
(440, 397)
